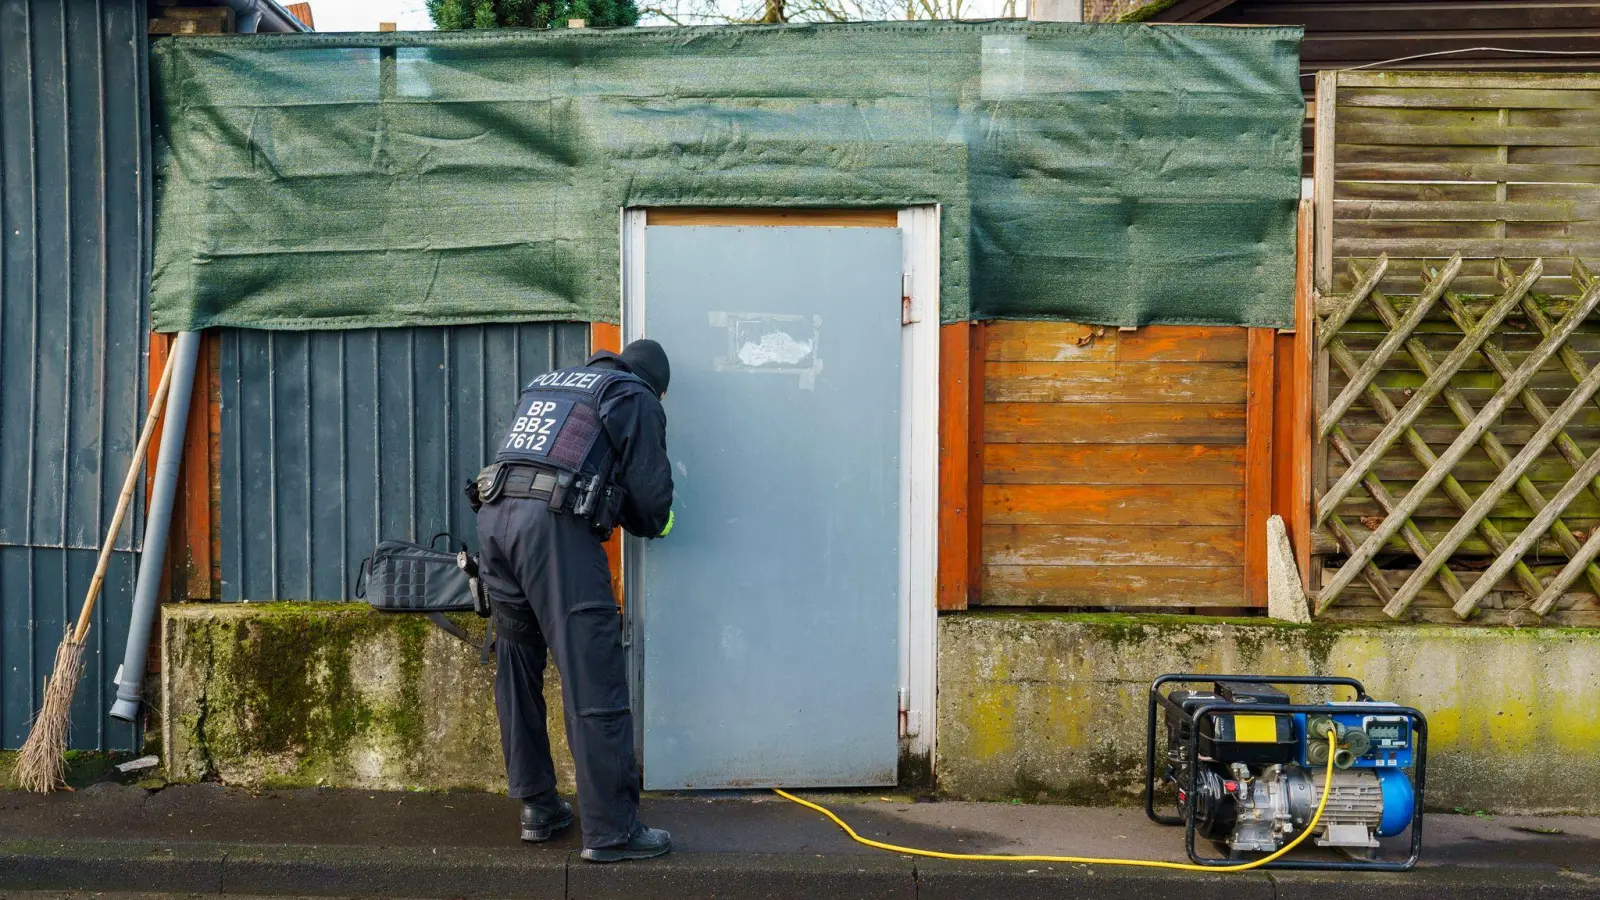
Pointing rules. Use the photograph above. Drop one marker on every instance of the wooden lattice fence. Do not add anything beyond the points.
(1463, 433)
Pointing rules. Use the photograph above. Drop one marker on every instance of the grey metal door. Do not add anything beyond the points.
(769, 618)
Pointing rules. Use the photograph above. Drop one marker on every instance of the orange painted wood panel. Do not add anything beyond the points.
(1182, 343)
(193, 557)
(1263, 374)
(160, 345)
(195, 561)
(1113, 464)
(160, 349)
(1114, 423)
(1154, 586)
(605, 336)
(194, 517)
(1091, 382)
(1113, 545)
(1108, 449)
(955, 456)
(1113, 504)
(846, 218)
(1050, 342)
(978, 348)
(1072, 342)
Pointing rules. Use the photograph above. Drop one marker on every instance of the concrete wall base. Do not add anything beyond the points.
(332, 694)
(1052, 707)
(1040, 707)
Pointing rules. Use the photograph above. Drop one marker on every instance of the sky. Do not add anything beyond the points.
(412, 15)
(364, 15)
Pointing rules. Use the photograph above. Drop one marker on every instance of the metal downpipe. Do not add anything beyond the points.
(130, 677)
(246, 15)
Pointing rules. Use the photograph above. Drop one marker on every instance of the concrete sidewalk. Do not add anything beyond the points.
(206, 839)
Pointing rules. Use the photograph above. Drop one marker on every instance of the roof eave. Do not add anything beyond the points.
(288, 22)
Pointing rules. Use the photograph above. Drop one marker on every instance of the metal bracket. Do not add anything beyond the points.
(905, 300)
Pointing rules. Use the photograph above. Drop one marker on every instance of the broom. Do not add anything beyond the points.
(42, 765)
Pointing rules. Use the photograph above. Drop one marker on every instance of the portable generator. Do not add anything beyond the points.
(1249, 767)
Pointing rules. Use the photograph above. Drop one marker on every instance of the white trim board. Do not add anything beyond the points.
(919, 470)
(919, 482)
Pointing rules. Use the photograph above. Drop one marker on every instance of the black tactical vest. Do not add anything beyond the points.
(557, 424)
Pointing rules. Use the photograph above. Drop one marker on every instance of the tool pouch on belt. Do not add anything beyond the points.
(489, 484)
(609, 510)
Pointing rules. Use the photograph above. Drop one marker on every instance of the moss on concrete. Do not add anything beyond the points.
(916, 771)
(290, 695)
(1032, 706)
(1118, 630)
(1052, 707)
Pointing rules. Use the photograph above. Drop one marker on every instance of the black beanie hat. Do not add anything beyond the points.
(648, 361)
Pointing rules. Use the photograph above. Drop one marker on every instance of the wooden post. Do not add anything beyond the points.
(1293, 418)
(194, 563)
(1303, 413)
(1320, 275)
(1322, 177)
(1260, 375)
(977, 356)
(160, 346)
(955, 456)
(187, 574)
(386, 27)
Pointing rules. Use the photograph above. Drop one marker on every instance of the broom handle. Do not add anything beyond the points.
(158, 400)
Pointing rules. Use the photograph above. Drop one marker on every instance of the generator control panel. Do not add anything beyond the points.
(1368, 737)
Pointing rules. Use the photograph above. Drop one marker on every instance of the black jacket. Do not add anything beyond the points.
(637, 427)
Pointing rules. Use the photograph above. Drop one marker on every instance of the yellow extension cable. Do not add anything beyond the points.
(1327, 788)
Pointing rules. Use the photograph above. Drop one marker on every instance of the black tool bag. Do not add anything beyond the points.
(401, 576)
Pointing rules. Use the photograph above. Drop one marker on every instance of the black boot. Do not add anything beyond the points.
(544, 815)
(646, 843)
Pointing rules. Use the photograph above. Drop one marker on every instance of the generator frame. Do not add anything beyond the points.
(1419, 725)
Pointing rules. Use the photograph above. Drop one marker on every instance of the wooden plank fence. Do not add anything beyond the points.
(1114, 465)
(1457, 468)
(1421, 165)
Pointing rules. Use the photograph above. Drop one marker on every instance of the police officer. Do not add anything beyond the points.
(586, 451)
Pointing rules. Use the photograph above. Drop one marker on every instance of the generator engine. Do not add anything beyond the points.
(1249, 767)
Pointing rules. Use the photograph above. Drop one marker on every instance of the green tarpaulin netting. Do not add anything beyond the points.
(1112, 174)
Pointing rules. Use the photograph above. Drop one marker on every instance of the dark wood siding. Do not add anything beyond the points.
(1348, 32)
(1345, 33)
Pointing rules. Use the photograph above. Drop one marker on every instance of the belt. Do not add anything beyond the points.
(516, 480)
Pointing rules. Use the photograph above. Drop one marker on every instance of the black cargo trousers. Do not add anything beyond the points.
(550, 582)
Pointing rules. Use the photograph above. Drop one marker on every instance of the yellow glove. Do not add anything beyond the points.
(667, 530)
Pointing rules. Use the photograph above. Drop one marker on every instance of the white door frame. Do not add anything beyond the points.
(919, 465)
